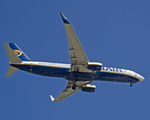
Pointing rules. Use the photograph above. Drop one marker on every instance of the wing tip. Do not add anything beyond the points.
(64, 18)
(52, 98)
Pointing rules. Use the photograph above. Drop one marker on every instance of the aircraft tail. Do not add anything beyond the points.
(11, 70)
(22, 56)
(16, 55)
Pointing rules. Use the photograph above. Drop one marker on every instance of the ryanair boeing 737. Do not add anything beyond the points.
(80, 73)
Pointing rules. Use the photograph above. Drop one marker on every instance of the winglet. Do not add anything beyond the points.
(64, 18)
(52, 98)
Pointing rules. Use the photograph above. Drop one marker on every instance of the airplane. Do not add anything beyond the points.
(80, 73)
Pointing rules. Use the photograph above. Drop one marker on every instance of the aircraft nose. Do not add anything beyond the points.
(141, 78)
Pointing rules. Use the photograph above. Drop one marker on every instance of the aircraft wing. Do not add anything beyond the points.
(79, 60)
(69, 91)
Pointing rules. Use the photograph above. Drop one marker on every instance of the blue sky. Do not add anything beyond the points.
(115, 33)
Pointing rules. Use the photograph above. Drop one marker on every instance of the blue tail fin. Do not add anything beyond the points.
(19, 52)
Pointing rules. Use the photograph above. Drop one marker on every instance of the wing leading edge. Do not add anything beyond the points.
(78, 57)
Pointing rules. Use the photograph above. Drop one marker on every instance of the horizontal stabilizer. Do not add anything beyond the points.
(11, 70)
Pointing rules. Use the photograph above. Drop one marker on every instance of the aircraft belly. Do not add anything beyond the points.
(82, 76)
(104, 76)
(44, 70)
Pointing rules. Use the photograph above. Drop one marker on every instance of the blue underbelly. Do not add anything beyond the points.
(44, 70)
(116, 77)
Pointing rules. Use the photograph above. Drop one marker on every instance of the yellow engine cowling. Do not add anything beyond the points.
(94, 66)
(89, 88)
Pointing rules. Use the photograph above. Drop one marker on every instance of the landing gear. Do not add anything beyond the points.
(131, 84)
(74, 86)
(76, 75)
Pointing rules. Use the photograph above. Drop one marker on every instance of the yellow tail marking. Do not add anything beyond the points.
(18, 52)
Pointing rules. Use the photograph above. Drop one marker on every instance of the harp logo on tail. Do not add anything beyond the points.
(18, 52)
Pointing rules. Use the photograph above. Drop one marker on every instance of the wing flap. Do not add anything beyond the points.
(75, 48)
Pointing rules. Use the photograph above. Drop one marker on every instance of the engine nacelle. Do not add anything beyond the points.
(94, 66)
(88, 88)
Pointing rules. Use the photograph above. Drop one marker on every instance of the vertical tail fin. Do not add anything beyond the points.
(12, 56)
(16, 55)
(21, 55)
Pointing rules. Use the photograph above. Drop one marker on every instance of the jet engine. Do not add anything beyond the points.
(94, 66)
(88, 88)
